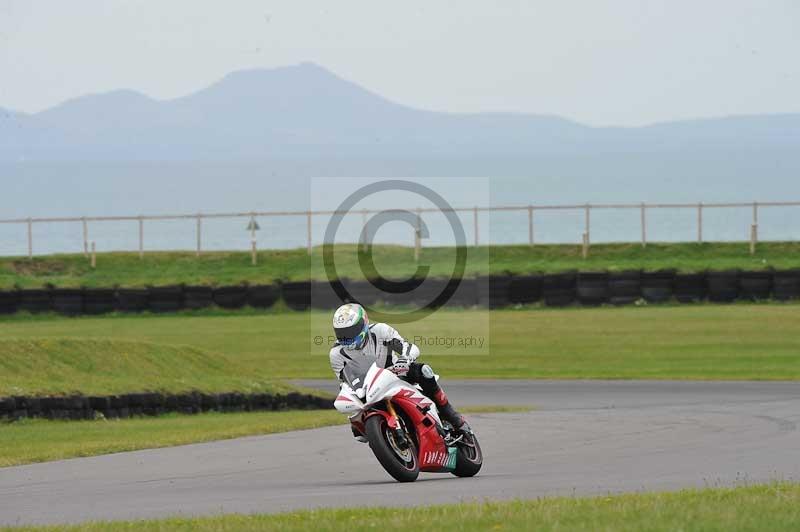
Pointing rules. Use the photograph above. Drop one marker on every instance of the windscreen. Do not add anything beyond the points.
(355, 371)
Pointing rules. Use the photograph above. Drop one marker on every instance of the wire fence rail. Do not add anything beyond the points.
(531, 209)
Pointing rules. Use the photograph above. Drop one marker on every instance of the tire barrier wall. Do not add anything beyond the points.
(75, 301)
(555, 290)
(153, 404)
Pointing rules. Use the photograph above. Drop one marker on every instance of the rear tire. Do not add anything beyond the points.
(401, 464)
(469, 458)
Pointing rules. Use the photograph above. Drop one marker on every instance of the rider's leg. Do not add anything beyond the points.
(424, 376)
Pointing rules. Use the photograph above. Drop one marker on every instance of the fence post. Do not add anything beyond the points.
(588, 224)
(94, 256)
(475, 216)
(85, 237)
(585, 246)
(199, 233)
(700, 223)
(417, 238)
(754, 229)
(530, 225)
(253, 243)
(308, 231)
(141, 238)
(644, 226)
(30, 239)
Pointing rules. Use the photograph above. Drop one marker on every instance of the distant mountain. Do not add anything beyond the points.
(305, 111)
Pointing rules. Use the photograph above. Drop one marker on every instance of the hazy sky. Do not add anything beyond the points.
(598, 62)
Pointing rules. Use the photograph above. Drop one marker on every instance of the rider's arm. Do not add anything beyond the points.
(400, 348)
(337, 362)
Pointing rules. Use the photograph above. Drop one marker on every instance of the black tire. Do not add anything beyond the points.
(34, 300)
(461, 293)
(657, 287)
(196, 297)
(591, 289)
(378, 434)
(470, 457)
(525, 289)
(786, 285)
(297, 296)
(624, 288)
(264, 296)
(132, 300)
(690, 287)
(755, 286)
(722, 287)
(231, 296)
(165, 298)
(558, 289)
(67, 301)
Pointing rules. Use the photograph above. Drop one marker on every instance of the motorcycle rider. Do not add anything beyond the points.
(356, 337)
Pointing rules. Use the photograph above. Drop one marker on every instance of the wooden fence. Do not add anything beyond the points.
(696, 208)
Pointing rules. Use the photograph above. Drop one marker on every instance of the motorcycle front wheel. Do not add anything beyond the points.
(469, 458)
(398, 459)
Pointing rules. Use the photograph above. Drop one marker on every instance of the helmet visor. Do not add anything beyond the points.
(353, 337)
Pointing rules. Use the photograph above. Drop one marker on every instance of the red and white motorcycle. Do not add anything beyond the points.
(403, 427)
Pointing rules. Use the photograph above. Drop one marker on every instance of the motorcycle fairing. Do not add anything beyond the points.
(383, 385)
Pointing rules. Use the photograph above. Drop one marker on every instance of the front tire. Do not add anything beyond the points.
(400, 463)
(470, 457)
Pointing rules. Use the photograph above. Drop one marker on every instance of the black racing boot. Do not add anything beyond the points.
(446, 410)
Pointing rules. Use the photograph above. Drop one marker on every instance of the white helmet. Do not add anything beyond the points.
(351, 326)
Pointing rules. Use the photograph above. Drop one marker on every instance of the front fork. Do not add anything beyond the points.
(399, 433)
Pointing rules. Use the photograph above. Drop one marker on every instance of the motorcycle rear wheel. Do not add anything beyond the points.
(400, 463)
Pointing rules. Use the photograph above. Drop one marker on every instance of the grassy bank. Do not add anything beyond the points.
(104, 366)
(741, 341)
(40, 440)
(225, 268)
(774, 507)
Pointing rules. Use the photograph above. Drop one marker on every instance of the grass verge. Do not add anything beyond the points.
(774, 507)
(40, 440)
(226, 268)
(734, 342)
(103, 366)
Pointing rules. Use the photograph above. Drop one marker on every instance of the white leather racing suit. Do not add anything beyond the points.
(374, 350)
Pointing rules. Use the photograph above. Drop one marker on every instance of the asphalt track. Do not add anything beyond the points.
(585, 437)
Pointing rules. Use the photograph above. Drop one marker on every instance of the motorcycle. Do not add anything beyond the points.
(403, 426)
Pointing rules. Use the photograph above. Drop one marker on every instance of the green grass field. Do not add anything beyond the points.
(104, 366)
(225, 268)
(39, 440)
(242, 351)
(773, 507)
